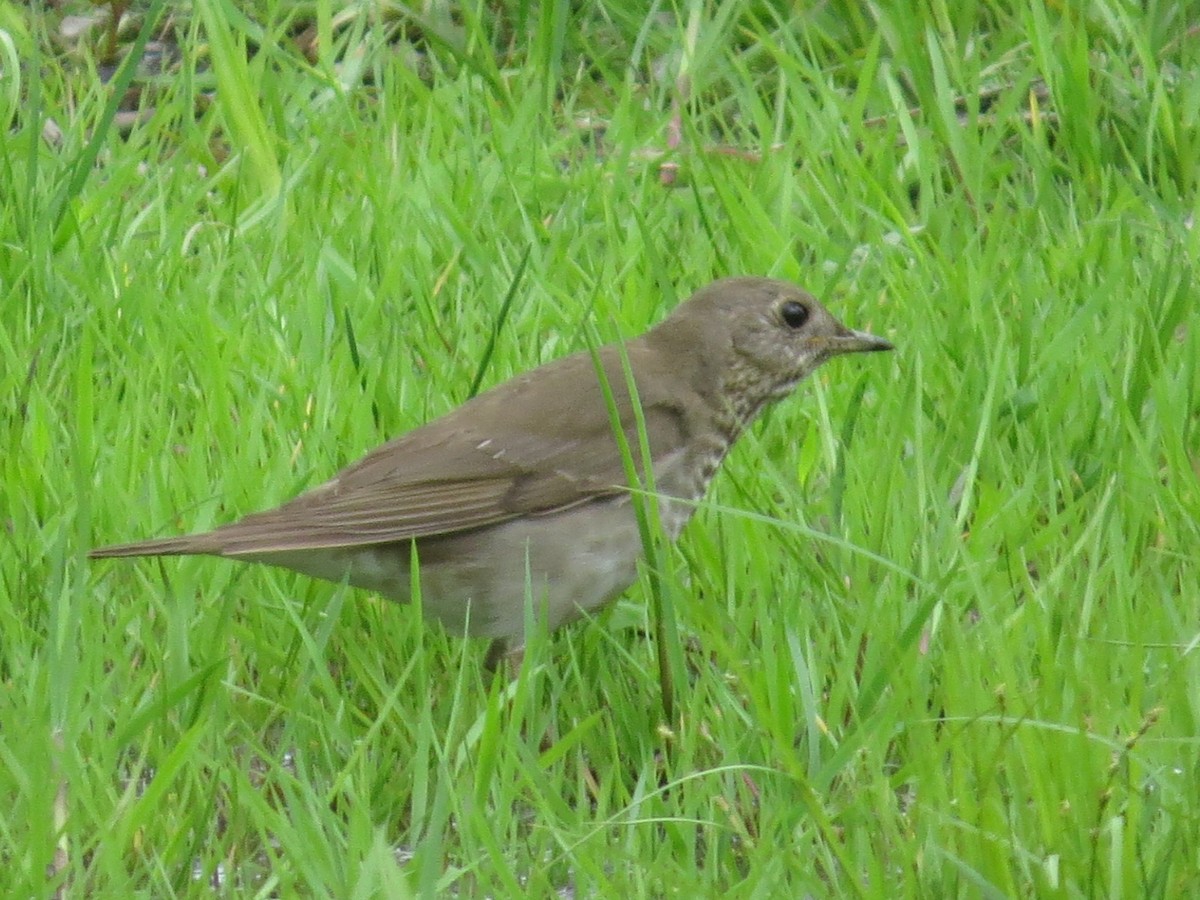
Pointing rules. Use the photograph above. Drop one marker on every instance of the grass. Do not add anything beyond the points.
(940, 608)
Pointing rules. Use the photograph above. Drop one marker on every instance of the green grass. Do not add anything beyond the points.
(941, 608)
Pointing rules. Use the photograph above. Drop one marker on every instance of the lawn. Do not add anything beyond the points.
(938, 618)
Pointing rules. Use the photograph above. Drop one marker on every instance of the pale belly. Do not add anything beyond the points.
(482, 582)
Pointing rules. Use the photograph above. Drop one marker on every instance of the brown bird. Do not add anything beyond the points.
(520, 495)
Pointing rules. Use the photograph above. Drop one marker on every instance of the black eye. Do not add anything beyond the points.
(794, 314)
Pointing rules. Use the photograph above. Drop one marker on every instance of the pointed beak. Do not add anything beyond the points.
(857, 342)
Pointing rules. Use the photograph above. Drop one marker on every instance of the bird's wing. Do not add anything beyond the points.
(529, 447)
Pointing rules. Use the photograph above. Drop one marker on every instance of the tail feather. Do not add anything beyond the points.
(189, 544)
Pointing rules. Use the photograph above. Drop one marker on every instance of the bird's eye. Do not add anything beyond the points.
(793, 314)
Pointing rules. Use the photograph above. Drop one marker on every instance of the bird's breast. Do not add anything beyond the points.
(682, 479)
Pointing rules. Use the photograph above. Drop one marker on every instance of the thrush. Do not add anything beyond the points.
(521, 495)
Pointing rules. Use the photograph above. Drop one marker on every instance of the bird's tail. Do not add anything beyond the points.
(177, 546)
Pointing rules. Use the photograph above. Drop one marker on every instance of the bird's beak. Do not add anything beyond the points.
(857, 342)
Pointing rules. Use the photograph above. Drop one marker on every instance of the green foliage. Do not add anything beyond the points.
(939, 612)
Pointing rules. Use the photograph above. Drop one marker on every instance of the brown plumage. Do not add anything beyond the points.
(520, 495)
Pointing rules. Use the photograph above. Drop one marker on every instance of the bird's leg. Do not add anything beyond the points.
(499, 654)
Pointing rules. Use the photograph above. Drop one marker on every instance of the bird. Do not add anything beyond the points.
(520, 498)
